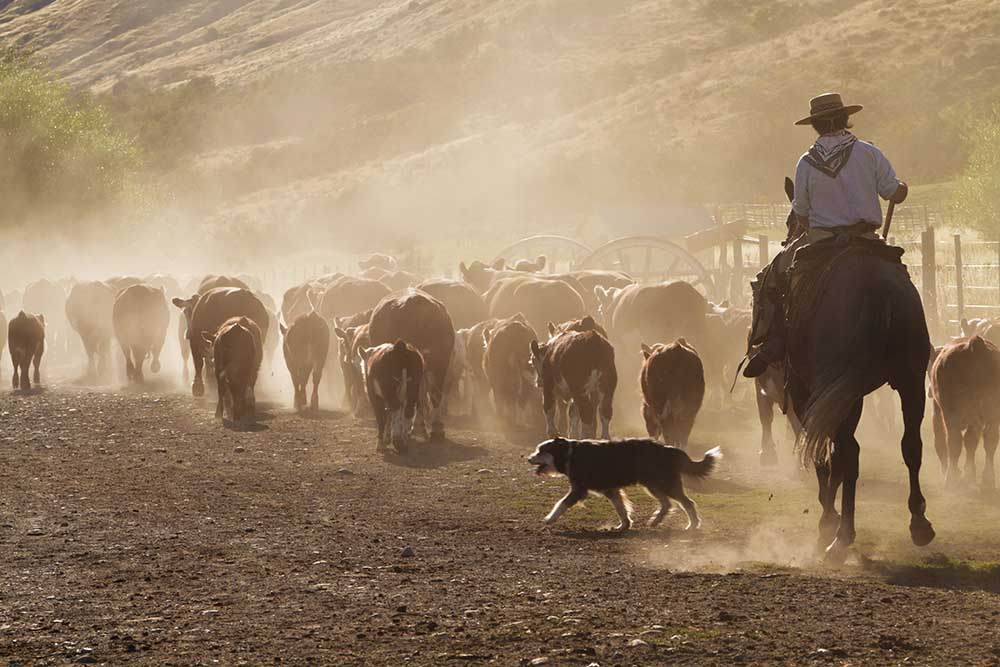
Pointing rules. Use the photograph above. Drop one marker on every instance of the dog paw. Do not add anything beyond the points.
(623, 527)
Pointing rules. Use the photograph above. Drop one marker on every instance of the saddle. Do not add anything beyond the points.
(813, 264)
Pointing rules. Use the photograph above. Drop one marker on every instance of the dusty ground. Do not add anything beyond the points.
(134, 529)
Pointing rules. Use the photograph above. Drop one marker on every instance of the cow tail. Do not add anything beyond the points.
(702, 469)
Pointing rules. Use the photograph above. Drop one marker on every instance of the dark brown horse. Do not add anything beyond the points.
(868, 328)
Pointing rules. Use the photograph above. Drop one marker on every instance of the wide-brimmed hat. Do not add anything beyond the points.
(828, 104)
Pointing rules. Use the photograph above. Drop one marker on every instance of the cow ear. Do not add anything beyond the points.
(601, 293)
(535, 349)
(519, 317)
(282, 328)
(789, 189)
(177, 301)
(464, 269)
(964, 326)
(365, 353)
(540, 262)
(498, 264)
(552, 329)
(646, 350)
(41, 318)
(487, 336)
(341, 334)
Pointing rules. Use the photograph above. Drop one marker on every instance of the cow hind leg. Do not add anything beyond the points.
(953, 433)
(36, 362)
(970, 441)
(317, 377)
(15, 380)
(606, 411)
(940, 439)
(991, 436)
(652, 421)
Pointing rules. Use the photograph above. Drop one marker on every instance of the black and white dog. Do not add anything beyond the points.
(608, 467)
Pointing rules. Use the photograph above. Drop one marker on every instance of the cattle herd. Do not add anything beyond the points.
(555, 351)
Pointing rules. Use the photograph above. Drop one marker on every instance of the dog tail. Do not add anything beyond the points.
(702, 469)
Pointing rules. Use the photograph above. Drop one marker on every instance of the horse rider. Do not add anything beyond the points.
(837, 186)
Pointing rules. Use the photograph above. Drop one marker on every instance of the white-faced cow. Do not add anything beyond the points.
(236, 351)
(578, 369)
(422, 321)
(394, 375)
(673, 387)
(140, 317)
(26, 341)
(306, 344)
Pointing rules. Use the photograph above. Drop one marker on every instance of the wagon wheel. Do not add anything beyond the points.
(651, 259)
(562, 253)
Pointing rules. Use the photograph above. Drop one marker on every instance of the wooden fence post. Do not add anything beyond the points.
(959, 288)
(928, 280)
(765, 251)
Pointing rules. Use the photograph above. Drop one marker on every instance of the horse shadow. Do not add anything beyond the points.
(432, 454)
(938, 571)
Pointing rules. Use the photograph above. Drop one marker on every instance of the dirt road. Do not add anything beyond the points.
(136, 530)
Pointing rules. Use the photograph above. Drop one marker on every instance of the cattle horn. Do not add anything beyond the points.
(646, 350)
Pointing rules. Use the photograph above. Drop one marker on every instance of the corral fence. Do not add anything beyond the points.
(958, 276)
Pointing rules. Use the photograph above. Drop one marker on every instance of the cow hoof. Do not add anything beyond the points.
(768, 458)
(836, 553)
(921, 531)
(437, 433)
(197, 390)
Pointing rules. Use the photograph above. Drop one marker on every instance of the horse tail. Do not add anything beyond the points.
(836, 392)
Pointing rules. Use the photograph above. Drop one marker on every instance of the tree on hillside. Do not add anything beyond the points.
(977, 196)
(60, 158)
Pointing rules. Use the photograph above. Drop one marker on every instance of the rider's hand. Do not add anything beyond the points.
(899, 196)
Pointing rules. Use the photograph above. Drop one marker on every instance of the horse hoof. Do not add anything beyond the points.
(828, 526)
(921, 531)
(836, 553)
(768, 458)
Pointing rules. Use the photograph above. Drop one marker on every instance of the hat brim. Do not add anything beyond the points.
(849, 109)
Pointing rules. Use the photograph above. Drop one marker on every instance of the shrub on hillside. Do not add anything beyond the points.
(977, 196)
(60, 158)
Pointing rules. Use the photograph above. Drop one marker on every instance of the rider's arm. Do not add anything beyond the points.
(801, 202)
(888, 185)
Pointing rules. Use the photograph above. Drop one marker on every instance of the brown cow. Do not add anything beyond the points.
(583, 324)
(47, 298)
(423, 322)
(378, 260)
(466, 307)
(475, 384)
(26, 340)
(530, 266)
(509, 371)
(212, 281)
(578, 368)
(399, 280)
(348, 295)
(540, 300)
(140, 317)
(350, 340)
(206, 313)
(394, 375)
(673, 387)
(965, 386)
(302, 298)
(306, 344)
(236, 351)
(88, 311)
(118, 283)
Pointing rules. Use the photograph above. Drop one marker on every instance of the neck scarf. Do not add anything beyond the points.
(831, 152)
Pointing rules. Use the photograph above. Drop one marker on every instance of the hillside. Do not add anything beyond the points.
(503, 117)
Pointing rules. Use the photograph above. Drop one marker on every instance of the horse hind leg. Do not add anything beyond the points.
(913, 399)
(846, 452)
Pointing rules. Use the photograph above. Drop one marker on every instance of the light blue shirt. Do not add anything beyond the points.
(851, 196)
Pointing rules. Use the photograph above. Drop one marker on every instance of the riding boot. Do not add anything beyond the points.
(767, 335)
